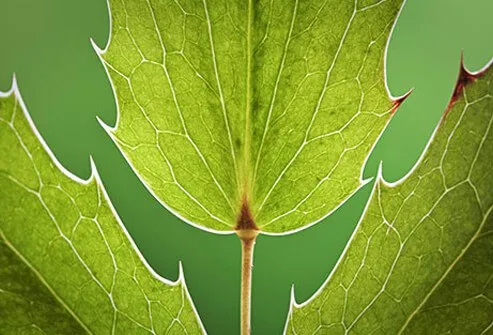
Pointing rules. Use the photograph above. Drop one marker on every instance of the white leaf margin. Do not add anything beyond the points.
(380, 180)
(395, 100)
(94, 176)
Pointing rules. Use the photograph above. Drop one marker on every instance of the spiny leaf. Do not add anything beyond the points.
(421, 260)
(272, 104)
(66, 264)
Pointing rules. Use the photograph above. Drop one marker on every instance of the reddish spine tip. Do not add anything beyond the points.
(398, 101)
(465, 77)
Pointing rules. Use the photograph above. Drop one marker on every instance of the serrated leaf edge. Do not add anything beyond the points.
(380, 180)
(395, 100)
(94, 176)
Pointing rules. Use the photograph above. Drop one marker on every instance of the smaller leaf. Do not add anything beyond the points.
(421, 260)
(66, 264)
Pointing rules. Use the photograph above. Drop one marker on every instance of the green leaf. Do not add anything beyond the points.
(66, 263)
(421, 259)
(271, 106)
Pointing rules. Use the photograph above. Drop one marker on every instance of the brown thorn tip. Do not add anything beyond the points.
(399, 100)
(465, 77)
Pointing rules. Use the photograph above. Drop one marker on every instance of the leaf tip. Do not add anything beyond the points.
(464, 78)
(95, 46)
(396, 102)
(13, 90)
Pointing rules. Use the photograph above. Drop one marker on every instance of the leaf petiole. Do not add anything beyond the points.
(248, 238)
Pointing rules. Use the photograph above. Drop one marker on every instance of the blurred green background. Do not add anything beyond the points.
(46, 43)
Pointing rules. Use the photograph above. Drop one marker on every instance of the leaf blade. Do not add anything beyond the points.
(251, 96)
(420, 260)
(65, 230)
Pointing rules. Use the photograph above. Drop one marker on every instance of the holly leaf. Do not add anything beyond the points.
(249, 114)
(67, 265)
(421, 259)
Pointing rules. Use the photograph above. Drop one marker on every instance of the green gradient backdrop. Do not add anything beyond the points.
(46, 43)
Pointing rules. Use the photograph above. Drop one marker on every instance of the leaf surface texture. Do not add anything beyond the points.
(421, 259)
(66, 264)
(272, 103)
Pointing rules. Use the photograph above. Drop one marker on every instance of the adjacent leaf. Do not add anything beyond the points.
(66, 264)
(421, 260)
(267, 105)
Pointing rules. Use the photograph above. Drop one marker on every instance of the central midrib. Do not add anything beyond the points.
(245, 182)
(246, 175)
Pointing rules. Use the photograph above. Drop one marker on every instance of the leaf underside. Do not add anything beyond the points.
(272, 104)
(421, 259)
(66, 264)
